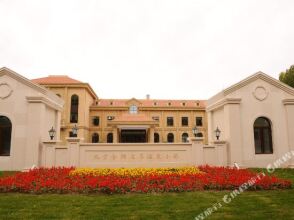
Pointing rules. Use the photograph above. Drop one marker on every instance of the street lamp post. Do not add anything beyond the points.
(75, 131)
(195, 131)
(217, 133)
(52, 132)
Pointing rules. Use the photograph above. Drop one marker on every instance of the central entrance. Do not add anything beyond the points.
(133, 136)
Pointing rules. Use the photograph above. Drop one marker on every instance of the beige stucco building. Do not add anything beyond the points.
(255, 118)
(27, 110)
(124, 120)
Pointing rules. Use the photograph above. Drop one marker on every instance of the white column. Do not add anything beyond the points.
(209, 126)
(58, 124)
(151, 135)
(289, 105)
(115, 135)
(35, 117)
(232, 121)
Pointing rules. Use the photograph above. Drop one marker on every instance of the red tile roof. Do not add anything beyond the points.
(152, 103)
(56, 79)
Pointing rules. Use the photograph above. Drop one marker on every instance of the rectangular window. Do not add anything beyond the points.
(185, 121)
(96, 121)
(170, 121)
(199, 121)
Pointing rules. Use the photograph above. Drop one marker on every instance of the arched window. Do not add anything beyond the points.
(133, 109)
(5, 136)
(156, 138)
(199, 134)
(185, 137)
(109, 138)
(95, 138)
(74, 109)
(263, 136)
(170, 138)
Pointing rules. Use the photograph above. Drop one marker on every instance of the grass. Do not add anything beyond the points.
(249, 205)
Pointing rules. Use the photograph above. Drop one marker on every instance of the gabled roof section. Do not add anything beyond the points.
(248, 80)
(133, 100)
(56, 79)
(263, 76)
(16, 76)
(6, 71)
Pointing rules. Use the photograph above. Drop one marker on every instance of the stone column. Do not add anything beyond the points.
(209, 127)
(289, 106)
(58, 124)
(197, 150)
(232, 126)
(151, 135)
(35, 117)
(115, 135)
(74, 150)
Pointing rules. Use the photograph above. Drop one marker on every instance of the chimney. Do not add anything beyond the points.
(147, 96)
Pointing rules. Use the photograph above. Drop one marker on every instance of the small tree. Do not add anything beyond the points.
(288, 76)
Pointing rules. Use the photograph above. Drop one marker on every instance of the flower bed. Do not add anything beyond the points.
(134, 171)
(70, 180)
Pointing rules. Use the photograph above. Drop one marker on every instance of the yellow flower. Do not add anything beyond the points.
(134, 171)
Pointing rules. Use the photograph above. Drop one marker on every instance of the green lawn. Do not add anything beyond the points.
(249, 205)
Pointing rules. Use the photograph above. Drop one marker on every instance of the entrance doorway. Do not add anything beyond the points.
(133, 136)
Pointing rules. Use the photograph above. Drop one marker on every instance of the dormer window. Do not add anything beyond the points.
(133, 109)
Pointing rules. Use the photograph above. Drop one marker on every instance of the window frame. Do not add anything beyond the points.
(96, 136)
(200, 120)
(74, 109)
(156, 139)
(170, 119)
(133, 109)
(185, 137)
(7, 127)
(261, 130)
(109, 137)
(170, 135)
(96, 118)
(182, 120)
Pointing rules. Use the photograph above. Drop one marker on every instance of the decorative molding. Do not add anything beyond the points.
(44, 100)
(288, 101)
(5, 90)
(34, 86)
(223, 102)
(260, 93)
(264, 77)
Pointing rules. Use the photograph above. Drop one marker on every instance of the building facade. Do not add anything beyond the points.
(254, 117)
(124, 120)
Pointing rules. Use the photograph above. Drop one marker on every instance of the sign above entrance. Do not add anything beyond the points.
(133, 127)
